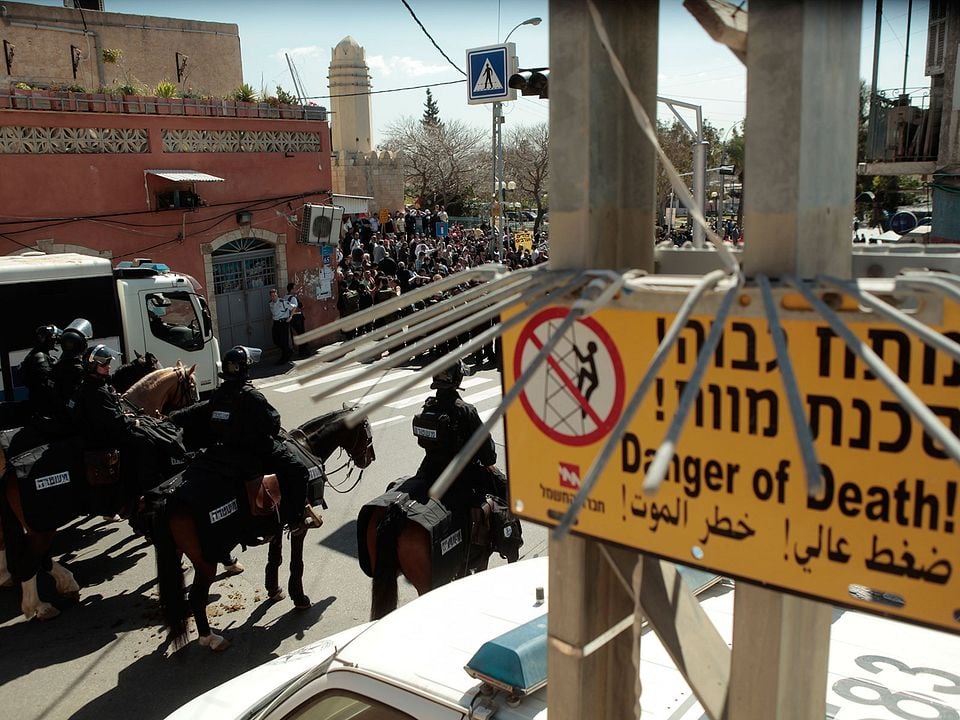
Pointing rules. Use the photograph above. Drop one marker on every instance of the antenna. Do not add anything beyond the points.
(297, 84)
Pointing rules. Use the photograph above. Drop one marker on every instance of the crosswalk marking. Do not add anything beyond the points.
(420, 397)
(388, 421)
(322, 380)
(374, 381)
(373, 397)
(482, 395)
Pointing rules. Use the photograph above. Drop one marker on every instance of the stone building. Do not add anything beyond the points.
(357, 169)
(59, 46)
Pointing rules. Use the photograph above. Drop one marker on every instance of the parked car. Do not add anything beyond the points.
(412, 664)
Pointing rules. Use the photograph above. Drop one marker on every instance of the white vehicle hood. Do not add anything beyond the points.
(237, 696)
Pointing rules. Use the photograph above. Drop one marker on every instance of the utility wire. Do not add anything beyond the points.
(414, 15)
(378, 92)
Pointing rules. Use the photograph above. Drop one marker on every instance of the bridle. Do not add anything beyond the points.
(367, 439)
(186, 391)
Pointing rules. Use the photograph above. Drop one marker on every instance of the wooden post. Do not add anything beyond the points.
(603, 208)
(802, 95)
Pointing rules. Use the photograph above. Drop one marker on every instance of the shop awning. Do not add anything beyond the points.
(184, 175)
(352, 204)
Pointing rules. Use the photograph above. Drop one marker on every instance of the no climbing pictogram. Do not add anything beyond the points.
(576, 395)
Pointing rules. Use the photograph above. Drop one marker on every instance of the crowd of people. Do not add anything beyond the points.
(414, 248)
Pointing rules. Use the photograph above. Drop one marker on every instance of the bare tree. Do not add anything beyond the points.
(443, 163)
(527, 162)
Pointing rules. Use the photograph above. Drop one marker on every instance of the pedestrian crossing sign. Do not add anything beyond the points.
(489, 69)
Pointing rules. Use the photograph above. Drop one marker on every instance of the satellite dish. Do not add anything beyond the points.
(903, 222)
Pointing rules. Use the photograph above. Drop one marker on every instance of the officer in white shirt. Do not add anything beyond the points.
(280, 311)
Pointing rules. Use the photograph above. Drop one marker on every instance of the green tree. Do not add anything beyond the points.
(735, 153)
(431, 112)
(527, 162)
(442, 165)
(677, 144)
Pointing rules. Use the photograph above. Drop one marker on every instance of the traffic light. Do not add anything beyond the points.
(531, 81)
(727, 170)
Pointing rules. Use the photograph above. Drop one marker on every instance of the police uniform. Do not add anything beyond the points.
(68, 375)
(38, 376)
(442, 428)
(245, 429)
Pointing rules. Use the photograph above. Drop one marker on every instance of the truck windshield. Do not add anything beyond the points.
(338, 704)
(173, 319)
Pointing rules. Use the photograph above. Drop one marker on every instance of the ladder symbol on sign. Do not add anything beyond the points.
(488, 79)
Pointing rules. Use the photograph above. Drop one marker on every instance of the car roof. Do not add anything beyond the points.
(424, 645)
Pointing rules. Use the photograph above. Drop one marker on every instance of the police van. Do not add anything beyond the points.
(139, 306)
(477, 648)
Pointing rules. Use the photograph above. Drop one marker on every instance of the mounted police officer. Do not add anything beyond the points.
(115, 446)
(442, 428)
(68, 372)
(37, 371)
(245, 430)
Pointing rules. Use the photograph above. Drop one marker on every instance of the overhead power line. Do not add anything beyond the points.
(391, 90)
(414, 15)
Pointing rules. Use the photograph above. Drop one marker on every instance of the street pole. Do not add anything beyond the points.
(497, 110)
(699, 186)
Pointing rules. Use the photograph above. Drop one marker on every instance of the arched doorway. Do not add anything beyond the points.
(244, 270)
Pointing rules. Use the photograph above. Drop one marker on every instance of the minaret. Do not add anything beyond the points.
(350, 75)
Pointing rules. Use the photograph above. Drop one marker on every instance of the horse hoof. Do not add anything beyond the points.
(301, 603)
(215, 642)
(46, 611)
(234, 569)
(275, 595)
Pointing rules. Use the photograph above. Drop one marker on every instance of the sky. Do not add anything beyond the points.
(691, 68)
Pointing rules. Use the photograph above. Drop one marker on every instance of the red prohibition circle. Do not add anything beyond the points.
(606, 424)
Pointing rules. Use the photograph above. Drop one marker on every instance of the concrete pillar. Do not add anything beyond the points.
(603, 210)
(801, 133)
(602, 199)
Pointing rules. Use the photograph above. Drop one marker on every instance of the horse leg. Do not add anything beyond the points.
(203, 575)
(67, 585)
(272, 572)
(295, 584)
(6, 578)
(413, 552)
(32, 606)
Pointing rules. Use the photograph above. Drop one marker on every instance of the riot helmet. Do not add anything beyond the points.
(99, 357)
(237, 361)
(74, 337)
(48, 335)
(451, 377)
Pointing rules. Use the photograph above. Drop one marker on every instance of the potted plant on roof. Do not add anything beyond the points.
(289, 104)
(246, 98)
(191, 102)
(130, 97)
(169, 95)
(65, 96)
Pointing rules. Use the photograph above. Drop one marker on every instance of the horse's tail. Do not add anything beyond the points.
(173, 601)
(384, 597)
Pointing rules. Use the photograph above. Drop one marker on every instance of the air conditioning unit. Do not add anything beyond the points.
(321, 224)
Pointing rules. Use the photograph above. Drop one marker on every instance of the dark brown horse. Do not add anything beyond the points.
(25, 545)
(392, 543)
(176, 533)
(126, 375)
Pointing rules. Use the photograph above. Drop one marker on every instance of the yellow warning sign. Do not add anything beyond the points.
(881, 536)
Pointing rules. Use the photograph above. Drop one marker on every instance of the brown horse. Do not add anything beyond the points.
(175, 534)
(164, 390)
(25, 547)
(392, 543)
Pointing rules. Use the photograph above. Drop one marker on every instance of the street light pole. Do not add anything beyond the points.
(498, 152)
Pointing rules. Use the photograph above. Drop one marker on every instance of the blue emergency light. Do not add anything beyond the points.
(515, 661)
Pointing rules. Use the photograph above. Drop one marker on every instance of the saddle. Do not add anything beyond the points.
(263, 495)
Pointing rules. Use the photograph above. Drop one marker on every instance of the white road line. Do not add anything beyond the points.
(482, 395)
(373, 397)
(420, 397)
(393, 375)
(320, 380)
(387, 421)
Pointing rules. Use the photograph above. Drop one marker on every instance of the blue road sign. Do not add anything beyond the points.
(488, 70)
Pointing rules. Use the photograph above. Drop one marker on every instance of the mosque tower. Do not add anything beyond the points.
(350, 75)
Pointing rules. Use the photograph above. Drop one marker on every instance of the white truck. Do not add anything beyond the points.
(137, 306)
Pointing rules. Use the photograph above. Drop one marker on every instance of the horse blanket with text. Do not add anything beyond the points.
(449, 535)
(52, 485)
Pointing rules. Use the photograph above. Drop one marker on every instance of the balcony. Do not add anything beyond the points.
(904, 139)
